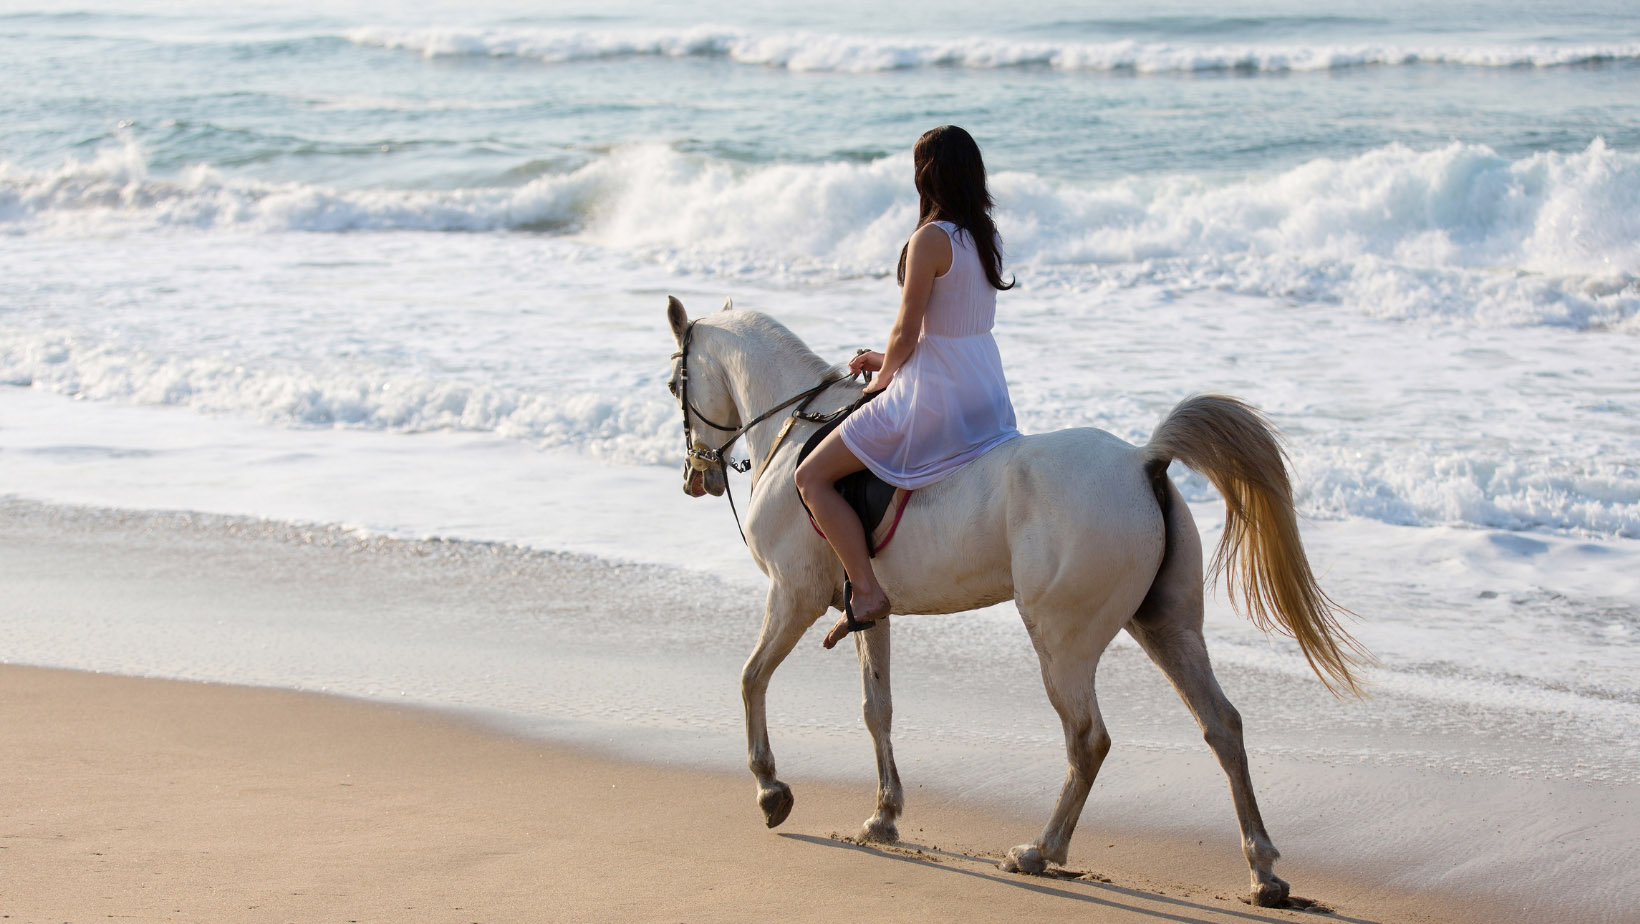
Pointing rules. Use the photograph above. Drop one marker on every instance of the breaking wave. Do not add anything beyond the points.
(1455, 232)
(816, 51)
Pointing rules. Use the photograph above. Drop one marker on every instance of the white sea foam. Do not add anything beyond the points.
(1422, 486)
(114, 189)
(1457, 232)
(629, 427)
(1526, 448)
(817, 51)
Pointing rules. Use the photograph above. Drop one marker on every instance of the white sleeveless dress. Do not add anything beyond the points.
(948, 404)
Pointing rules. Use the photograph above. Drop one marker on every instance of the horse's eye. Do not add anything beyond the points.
(672, 386)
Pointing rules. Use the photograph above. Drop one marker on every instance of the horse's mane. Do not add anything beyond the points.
(754, 330)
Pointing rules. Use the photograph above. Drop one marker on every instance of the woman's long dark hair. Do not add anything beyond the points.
(951, 186)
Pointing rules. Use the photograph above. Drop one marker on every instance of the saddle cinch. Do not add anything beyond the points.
(870, 496)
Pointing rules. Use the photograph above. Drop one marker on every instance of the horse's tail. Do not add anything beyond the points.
(1260, 554)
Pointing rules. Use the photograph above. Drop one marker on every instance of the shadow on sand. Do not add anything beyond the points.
(1084, 887)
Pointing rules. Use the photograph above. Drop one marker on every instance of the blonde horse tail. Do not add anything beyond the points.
(1260, 554)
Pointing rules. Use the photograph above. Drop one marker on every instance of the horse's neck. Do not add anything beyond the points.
(760, 380)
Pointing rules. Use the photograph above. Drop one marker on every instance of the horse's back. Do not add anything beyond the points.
(1046, 518)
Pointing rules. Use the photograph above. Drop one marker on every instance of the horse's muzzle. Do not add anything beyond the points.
(697, 483)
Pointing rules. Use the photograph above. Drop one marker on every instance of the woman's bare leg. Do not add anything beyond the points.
(816, 482)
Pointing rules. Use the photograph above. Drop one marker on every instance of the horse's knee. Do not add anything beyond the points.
(1095, 746)
(1100, 745)
(1088, 748)
(753, 680)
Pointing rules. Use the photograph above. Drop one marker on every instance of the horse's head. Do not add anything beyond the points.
(701, 387)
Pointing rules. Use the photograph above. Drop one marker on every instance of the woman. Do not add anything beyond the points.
(939, 398)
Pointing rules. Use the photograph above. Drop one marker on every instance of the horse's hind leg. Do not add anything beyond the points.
(1168, 627)
(1068, 675)
(784, 622)
(873, 650)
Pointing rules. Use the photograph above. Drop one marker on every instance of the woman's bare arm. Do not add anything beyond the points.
(929, 255)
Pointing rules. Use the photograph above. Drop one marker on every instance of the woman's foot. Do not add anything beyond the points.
(866, 610)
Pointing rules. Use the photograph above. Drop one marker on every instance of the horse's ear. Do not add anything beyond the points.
(728, 304)
(677, 317)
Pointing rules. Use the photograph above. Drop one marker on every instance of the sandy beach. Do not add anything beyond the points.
(154, 799)
(150, 800)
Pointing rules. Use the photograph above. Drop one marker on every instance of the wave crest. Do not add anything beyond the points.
(115, 189)
(816, 51)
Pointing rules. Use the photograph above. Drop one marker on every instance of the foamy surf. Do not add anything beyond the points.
(1364, 446)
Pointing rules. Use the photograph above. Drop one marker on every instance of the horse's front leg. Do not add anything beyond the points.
(784, 622)
(872, 646)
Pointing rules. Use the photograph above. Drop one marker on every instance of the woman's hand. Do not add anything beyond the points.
(878, 384)
(866, 361)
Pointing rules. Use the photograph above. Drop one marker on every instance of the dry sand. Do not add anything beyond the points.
(157, 800)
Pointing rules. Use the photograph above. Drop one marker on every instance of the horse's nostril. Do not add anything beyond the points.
(714, 480)
(693, 483)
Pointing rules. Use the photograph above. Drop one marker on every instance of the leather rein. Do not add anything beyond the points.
(701, 457)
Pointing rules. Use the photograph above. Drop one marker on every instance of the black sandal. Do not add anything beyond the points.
(854, 625)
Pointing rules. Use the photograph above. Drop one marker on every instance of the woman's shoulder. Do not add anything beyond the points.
(940, 236)
(949, 230)
(936, 235)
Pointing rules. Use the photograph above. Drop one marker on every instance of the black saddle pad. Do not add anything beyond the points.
(869, 495)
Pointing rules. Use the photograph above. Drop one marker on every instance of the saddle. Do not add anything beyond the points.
(870, 496)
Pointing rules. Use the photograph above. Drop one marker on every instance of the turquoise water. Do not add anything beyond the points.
(493, 94)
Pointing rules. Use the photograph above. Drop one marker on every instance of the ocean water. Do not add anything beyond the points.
(405, 271)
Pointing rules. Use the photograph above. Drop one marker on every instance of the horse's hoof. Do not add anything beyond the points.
(1271, 894)
(776, 803)
(1026, 858)
(878, 830)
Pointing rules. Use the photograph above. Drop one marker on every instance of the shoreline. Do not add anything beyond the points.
(493, 641)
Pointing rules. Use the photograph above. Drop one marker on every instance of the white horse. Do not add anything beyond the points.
(1083, 531)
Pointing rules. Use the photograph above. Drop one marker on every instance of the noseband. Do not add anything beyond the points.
(701, 459)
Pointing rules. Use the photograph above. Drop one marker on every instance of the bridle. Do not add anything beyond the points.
(700, 457)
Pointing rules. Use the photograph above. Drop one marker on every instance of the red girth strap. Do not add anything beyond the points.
(899, 510)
